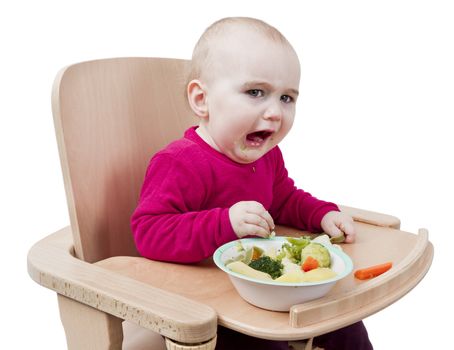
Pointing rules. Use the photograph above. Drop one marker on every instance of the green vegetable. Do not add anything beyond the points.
(338, 239)
(300, 241)
(318, 252)
(293, 250)
(266, 264)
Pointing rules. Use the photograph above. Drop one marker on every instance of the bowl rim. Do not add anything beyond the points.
(219, 251)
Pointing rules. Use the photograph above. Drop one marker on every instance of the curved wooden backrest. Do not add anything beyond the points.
(110, 117)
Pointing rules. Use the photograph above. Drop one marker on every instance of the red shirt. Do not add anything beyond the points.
(183, 210)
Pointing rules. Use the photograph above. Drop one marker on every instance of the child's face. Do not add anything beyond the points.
(251, 92)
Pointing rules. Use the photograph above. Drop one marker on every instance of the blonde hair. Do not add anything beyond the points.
(202, 51)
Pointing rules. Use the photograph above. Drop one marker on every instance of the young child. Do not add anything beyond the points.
(226, 178)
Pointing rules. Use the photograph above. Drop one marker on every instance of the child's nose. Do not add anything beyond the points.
(273, 112)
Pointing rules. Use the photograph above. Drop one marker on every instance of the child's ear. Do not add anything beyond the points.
(197, 98)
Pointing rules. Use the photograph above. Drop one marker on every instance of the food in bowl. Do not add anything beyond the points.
(279, 272)
(297, 260)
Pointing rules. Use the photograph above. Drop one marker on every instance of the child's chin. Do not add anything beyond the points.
(250, 156)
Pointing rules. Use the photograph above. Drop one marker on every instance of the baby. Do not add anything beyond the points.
(226, 178)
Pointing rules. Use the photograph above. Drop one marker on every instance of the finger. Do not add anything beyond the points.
(254, 230)
(259, 209)
(254, 207)
(333, 231)
(350, 233)
(349, 238)
(345, 223)
(257, 220)
(269, 220)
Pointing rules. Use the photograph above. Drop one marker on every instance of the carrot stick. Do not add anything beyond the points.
(372, 271)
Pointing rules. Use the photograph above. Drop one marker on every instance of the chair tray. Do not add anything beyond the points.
(349, 301)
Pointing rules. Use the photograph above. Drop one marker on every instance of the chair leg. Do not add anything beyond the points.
(209, 345)
(88, 328)
(303, 345)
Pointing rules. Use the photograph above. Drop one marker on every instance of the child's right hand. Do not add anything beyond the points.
(250, 218)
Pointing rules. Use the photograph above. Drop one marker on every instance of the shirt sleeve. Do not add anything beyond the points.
(169, 223)
(294, 207)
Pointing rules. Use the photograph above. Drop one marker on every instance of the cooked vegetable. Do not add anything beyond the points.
(320, 274)
(338, 239)
(329, 242)
(256, 253)
(299, 260)
(289, 265)
(292, 250)
(309, 264)
(244, 255)
(267, 265)
(294, 276)
(239, 246)
(323, 239)
(318, 252)
(372, 271)
(241, 267)
(301, 241)
(271, 252)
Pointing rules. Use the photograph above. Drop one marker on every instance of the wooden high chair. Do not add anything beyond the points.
(111, 116)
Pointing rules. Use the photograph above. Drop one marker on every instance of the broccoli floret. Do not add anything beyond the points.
(266, 264)
(293, 250)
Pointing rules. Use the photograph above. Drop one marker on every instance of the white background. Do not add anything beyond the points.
(373, 128)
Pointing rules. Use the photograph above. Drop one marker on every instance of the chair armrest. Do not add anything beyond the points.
(370, 217)
(51, 263)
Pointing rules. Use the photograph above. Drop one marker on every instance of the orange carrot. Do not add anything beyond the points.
(309, 264)
(372, 271)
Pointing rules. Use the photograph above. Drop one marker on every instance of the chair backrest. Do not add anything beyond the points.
(110, 117)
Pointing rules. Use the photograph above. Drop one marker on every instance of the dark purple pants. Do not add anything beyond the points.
(353, 337)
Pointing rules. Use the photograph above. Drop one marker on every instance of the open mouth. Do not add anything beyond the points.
(258, 138)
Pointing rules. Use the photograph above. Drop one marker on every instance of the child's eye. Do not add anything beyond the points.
(286, 98)
(255, 92)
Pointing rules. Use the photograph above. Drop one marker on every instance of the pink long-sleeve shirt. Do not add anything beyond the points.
(183, 210)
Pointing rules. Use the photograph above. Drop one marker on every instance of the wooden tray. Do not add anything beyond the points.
(349, 301)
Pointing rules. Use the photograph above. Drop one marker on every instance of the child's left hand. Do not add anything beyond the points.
(336, 223)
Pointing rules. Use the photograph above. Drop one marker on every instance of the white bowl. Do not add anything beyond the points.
(279, 296)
